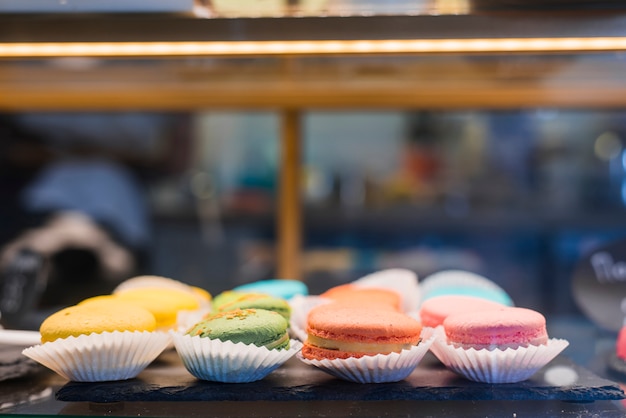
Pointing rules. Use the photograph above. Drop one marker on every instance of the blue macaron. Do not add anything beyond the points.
(459, 282)
(282, 288)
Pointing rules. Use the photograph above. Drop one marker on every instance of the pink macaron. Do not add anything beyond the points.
(501, 328)
(504, 345)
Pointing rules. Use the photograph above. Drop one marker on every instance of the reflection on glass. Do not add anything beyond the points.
(561, 376)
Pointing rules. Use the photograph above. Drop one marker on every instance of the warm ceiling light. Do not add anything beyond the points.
(250, 48)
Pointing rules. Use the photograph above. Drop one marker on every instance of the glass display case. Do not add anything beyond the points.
(323, 140)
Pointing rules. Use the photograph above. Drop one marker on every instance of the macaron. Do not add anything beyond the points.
(281, 288)
(108, 340)
(466, 283)
(336, 331)
(620, 343)
(164, 304)
(502, 328)
(403, 281)
(435, 310)
(96, 318)
(240, 300)
(259, 327)
(224, 298)
(616, 363)
(364, 296)
(151, 281)
(338, 290)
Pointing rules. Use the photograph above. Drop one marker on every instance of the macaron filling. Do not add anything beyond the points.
(358, 347)
(279, 344)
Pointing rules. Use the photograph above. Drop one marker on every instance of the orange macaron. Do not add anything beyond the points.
(364, 296)
(339, 331)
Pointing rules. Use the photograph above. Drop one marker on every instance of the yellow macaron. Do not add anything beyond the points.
(164, 304)
(160, 282)
(102, 316)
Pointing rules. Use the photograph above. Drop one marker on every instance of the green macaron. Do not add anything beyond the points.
(223, 298)
(260, 327)
(231, 300)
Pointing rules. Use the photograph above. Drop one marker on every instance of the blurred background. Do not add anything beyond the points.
(518, 196)
(510, 165)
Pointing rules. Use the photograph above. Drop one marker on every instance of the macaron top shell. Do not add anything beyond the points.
(335, 321)
(103, 316)
(483, 293)
(150, 281)
(338, 290)
(460, 282)
(240, 300)
(163, 303)
(249, 326)
(281, 288)
(505, 327)
(224, 297)
(364, 296)
(434, 311)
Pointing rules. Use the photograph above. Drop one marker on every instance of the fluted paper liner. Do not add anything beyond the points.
(380, 368)
(510, 365)
(225, 361)
(105, 356)
(300, 307)
(186, 319)
(439, 335)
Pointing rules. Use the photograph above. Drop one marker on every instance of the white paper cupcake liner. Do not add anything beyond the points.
(300, 307)
(402, 281)
(380, 368)
(100, 357)
(186, 319)
(510, 365)
(225, 361)
(439, 337)
(415, 315)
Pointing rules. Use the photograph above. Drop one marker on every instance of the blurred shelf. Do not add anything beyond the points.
(435, 81)
(412, 220)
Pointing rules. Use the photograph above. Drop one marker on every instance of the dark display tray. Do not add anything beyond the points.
(168, 380)
(13, 365)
